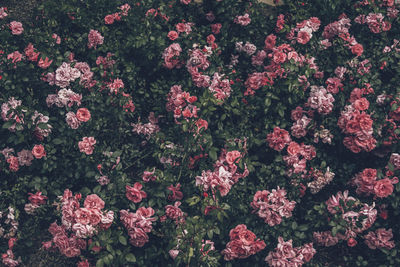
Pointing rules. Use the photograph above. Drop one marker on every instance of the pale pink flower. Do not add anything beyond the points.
(87, 145)
(16, 27)
(94, 39)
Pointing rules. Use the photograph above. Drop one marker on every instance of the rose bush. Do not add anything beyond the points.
(201, 133)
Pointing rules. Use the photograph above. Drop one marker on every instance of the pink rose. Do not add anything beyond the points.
(270, 42)
(303, 37)
(109, 19)
(216, 28)
(138, 237)
(87, 145)
(351, 242)
(231, 156)
(293, 148)
(383, 188)
(82, 216)
(16, 27)
(361, 104)
(174, 212)
(37, 198)
(279, 57)
(173, 253)
(357, 49)
(83, 263)
(134, 193)
(83, 114)
(173, 35)
(93, 201)
(38, 151)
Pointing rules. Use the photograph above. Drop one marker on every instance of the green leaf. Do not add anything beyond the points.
(57, 141)
(100, 263)
(122, 240)
(130, 257)
(213, 154)
(7, 124)
(43, 126)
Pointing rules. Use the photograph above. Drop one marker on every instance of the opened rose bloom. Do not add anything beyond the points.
(38, 151)
(83, 114)
(16, 27)
(232, 157)
(134, 193)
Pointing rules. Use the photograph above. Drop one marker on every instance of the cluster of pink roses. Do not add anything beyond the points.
(32, 55)
(242, 20)
(242, 244)
(64, 98)
(181, 103)
(375, 22)
(304, 30)
(320, 100)
(66, 73)
(8, 258)
(147, 129)
(256, 80)
(171, 56)
(358, 216)
(272, 206)
(224, 175)
(83, 222)
(36, 200)
(109, 19)
(367, 183)
(381, 238)
(87, 145)
(341, 28)
(3, 12)
(320, 179)
(138, 225)
(94, 39)
(74, 120)
(278, 139)
(9, 112)
(357, 124)
(24, 157)
(301, 122)
(197, 59)
(298, 155)
(286, 255)
(10, 220)
(326, 238)
(221, 88)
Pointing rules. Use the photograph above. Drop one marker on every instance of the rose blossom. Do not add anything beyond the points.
(83, 114)
(232, 156)
(93, 201)
(357, 49)
(173, 253)
(173, 35)
(383, 188)
(72, 120)
(38, 151)
(109, 19)
(16, 27)
(87, 145)
(134, 193)
(94, 39)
